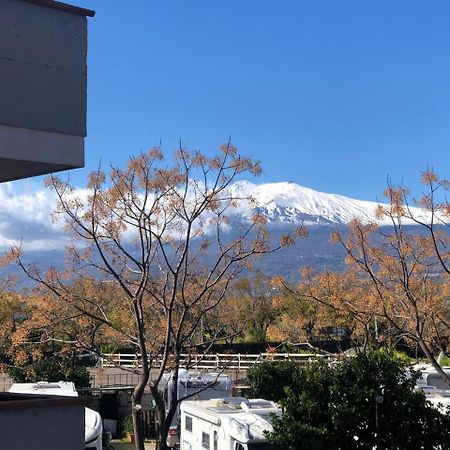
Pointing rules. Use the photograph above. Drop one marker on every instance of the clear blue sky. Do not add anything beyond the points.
(331, 94)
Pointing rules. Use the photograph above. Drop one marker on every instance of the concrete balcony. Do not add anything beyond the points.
(41, 422)
(43, 87)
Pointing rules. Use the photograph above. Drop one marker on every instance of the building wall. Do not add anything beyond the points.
(43, 89)
(42, 68)
(41, 426)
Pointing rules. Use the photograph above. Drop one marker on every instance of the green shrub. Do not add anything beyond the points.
(127, 425)
(363, 402)
(51, 368)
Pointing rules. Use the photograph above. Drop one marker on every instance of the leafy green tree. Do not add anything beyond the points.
(268, 380)
(364, 402)
(50, 368)
(29, 355)
(254, 299)
(248, 310)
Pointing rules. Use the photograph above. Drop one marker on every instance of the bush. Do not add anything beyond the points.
(51, 368)
(363, 402)
(127, 425)
(267, 380)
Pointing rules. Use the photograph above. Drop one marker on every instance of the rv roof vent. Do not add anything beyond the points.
(257, 404)
(220, 402)
(46, 385)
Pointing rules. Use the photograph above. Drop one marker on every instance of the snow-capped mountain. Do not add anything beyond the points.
(25, 219)
(291, 203)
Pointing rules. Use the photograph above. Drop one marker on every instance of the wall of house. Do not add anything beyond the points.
(43, 87)
(41, 423)
(42, 68)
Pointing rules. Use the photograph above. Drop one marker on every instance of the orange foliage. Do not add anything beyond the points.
(137, 273)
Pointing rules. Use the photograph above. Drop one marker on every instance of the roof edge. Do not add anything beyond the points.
(15, 402)
(64, 7)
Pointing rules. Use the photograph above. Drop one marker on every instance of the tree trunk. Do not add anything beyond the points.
(165, 415)
(161, 432)
(136, 402)
(136, 414)
(432, 360)
(161, 421)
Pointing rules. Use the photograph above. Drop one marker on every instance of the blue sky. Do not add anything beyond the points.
(332, 95)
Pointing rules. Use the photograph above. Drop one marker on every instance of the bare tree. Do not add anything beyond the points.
(323, 304)
(165, 244)
(396, 281)
(436, 220)
(402, 271)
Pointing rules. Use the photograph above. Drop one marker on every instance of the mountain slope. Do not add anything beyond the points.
(25, 220)
(292, 203)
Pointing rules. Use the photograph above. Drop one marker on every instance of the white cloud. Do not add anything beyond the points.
(26, 212)
(25, 219)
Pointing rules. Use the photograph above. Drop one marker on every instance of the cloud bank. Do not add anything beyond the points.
(26, 214)
(25, 219)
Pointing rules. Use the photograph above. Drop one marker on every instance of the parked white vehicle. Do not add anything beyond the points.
(430, 377)
(232, 423)
(437, 390)
(439, 398)
(93, 428)
(197, 385)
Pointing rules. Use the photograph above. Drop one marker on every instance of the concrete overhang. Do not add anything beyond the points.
(43, 87)
(37, 422)
(64, 7)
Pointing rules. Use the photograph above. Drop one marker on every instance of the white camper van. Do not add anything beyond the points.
(430, 377)
(200, 386)
(436, 390)
(232, 423)
(93, 428)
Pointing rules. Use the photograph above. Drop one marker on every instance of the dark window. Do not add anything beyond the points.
(188, 423)
(239, 446)
(205, 441)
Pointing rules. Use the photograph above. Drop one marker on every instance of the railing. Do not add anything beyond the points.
(215, 361)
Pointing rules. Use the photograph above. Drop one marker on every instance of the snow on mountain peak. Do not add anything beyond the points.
(287, 202)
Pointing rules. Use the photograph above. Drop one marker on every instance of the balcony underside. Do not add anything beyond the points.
(27, 153)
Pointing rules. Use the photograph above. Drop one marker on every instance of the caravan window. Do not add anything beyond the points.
(205, 441)
(216, 438)
(188, 423)
(239, 446)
